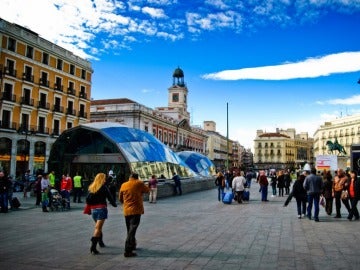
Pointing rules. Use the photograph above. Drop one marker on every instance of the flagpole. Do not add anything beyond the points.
(227, 136)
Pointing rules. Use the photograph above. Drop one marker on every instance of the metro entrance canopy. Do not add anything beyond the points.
(103, 146)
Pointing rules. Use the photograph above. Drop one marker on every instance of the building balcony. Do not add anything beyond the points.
(58, 108)
(43, 105)
(44, 82)
(71, 91)
(28, 77)
(27, 101)
(70, 111)
(7, 96)
(58, 87)
(10, 72)
(82, 95)
(82, 114)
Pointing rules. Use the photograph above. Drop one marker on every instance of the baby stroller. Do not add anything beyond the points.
(56, 201)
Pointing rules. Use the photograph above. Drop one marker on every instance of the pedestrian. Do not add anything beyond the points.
(264, 183)
(52, 179)
(5, 185)
(131, 196)
(220, 183)
(153, 189)
(327, 192)
(299, 193)
(78, 186)
(26, 181)
(249, 176)
(354, 195)
(65, 189)
(238, 185)
(313, 185)
(280, 183)
(111, 183)
(96, 205)
(273, 183)
(287, 182)
(339, 184)
(45, 187)
(37, 189)
(177, 184)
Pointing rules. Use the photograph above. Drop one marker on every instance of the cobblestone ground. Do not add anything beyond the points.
(193, 231)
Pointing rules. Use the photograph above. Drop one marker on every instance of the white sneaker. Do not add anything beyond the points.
(299, 216)
(272, 196)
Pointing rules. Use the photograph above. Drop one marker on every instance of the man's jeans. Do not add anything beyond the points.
(132, 223)
(313, 198)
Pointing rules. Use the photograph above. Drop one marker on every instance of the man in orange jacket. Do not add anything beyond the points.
(131, 196)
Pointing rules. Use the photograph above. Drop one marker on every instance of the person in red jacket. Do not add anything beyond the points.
(65, 189)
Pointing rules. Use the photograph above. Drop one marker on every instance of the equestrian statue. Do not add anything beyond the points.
(335, 146)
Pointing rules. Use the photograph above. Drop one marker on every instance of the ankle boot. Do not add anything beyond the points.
(94, 241)
(101, 243)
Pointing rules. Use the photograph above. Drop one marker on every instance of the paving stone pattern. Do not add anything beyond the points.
(193, 231)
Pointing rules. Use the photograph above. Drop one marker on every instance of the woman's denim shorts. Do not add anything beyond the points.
(99, 213)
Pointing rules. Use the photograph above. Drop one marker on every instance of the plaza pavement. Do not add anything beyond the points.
(193, 231)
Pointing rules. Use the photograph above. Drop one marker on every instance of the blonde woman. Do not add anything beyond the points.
(96, 201)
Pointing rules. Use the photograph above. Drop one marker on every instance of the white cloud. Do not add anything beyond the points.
(354, 100)
(154, 12)
(310, 68)
(77, 25)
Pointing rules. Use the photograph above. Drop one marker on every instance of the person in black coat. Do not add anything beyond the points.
(327, 192)
(281, 183)
(5, 185)
(299, 193)
(287, 182)
(354, 195)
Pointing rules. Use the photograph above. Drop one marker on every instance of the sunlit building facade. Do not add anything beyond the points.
(283, 149)
(44, 90)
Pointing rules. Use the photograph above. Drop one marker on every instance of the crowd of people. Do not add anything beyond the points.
(310, 189)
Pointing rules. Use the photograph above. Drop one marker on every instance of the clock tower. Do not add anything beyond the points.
(178, 95)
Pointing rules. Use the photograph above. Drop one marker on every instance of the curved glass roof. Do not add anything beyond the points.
(138, 146)
(198, 163)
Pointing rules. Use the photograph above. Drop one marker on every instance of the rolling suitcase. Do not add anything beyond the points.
(228, 197)
(246, 194)
(15, 203)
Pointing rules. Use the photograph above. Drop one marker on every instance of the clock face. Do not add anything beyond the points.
(175, 97)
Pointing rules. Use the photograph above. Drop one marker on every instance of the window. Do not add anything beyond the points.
(57, 104)
(41, 127)
(56, 130)
(26, 96)
(175, 97)
(5, 120)
(29, 52)
(10, 67)
(44, 79)
(71, 86)
(82, 110)
(83, 74)
(11, 44)
(27, 76)
(69, 125)
(59, 64)
(70, 107)
(45, 58)
(25, 122)
(58, 83)
(42, 101)
(8, 89)
(72, 69)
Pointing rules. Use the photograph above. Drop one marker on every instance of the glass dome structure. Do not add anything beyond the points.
(199, 163)
(103, 146)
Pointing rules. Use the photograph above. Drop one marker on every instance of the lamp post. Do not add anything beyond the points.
(26, 147)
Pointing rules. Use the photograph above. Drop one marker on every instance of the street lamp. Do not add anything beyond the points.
(25, 146)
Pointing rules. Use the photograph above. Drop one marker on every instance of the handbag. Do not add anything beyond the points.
(322, 201)
(87, 209)
(344, 195)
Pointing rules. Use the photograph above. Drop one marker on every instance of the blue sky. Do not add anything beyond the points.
(277, 64)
